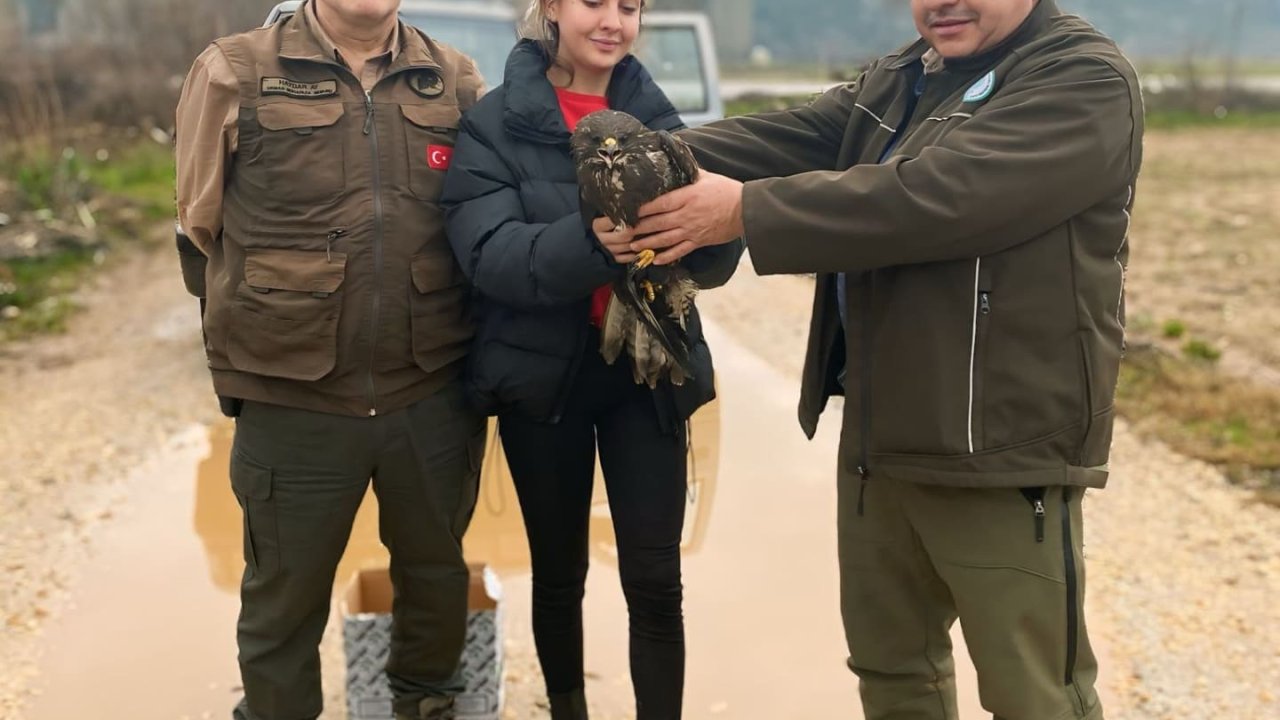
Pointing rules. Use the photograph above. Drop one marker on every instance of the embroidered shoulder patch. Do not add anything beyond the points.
(982, 89)
(427, 84)
(293, 88)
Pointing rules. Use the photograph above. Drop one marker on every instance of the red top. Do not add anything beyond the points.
(575, 106)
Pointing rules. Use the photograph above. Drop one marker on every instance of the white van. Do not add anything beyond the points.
(676, 47)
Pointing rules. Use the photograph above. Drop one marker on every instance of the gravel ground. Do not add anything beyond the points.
(80, 410)
(1184, 568)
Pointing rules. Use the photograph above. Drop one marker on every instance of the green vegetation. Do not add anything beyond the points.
(33, 292)
(754, 104)
(1203, 413)
(1201, 350)
(43, 177)
(1173, 119)
(127, 184)
(1174, 329)
(142, 172)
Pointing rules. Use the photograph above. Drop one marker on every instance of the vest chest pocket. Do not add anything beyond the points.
(284, 321)
(302, 156)
(441, 318)
(430, 132)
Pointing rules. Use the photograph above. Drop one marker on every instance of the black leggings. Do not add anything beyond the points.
(645, 475)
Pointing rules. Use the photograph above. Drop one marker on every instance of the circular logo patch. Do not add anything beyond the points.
(427, 84)
(982, 89)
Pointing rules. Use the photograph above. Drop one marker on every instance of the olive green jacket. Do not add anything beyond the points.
(984, 238)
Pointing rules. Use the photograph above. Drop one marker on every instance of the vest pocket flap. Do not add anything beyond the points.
(310, 271)
(432, 116)
(290, 116)
(434, 272)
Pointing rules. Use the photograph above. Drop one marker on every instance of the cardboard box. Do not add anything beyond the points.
(366, 634)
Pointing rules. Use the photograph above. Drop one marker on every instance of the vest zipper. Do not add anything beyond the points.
(329, 240)
(372, 131)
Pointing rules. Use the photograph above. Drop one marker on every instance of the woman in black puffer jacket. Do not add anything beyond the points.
(541, 278)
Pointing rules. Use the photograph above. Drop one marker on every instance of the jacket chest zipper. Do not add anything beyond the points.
(371, 130)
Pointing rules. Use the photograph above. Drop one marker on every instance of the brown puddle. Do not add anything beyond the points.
(152, 632)
(495, 537)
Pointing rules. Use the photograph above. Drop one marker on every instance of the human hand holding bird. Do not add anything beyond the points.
(621, 165)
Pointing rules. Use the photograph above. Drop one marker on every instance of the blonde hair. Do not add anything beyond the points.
(541, 29)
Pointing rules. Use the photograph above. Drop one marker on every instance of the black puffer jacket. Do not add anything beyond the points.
(513, 219)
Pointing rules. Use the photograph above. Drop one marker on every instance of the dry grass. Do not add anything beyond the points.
(1204, 374)
(1205, 244)
(1204, 413)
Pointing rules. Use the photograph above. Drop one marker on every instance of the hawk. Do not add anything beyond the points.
(621, 165)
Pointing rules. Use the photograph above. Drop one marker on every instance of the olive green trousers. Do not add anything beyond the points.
(1006, 563)
(300, 477)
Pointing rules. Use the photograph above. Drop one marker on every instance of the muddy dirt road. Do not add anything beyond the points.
(118, 541)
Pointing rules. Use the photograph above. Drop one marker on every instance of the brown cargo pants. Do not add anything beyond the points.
(299, 477)
(1006, 563)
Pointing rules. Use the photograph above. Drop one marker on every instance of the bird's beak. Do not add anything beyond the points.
(608, 149)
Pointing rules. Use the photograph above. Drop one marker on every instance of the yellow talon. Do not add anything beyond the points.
(645, 259)
(649, 290)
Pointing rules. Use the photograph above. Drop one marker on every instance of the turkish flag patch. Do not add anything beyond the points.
(439, 156)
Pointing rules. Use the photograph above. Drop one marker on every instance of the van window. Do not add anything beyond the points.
(487, 40)
(673, 55)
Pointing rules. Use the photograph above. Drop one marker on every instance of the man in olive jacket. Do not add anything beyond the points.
(965, 204)
(311, 155)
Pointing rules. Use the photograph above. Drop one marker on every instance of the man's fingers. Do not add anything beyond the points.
(659, 241)
(665, 203)
(625, 258)
(673, 254)
(655, 224)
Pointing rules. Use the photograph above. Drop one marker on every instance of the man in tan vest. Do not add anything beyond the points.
(310, 157)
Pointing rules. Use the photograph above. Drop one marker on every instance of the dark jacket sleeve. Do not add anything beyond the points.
(711, 267)
(776, 144)
(1055, 142)
(506, 257)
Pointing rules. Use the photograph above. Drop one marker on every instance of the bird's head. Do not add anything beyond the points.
(604, 137)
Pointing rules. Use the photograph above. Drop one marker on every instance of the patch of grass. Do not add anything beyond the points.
(755, 104)
(1201, 350)
(1175, 119)
(142, 172)
(1203, 413)
(1210, 68)
(1156, 118)
(33, 292)
(43, 176)
(1174, 329)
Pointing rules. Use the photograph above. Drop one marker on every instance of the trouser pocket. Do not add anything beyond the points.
(252, 485)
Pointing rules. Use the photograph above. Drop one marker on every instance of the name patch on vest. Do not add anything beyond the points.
(293, 88)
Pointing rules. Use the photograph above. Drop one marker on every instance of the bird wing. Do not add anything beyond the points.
(684, 165)
(670, 334)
